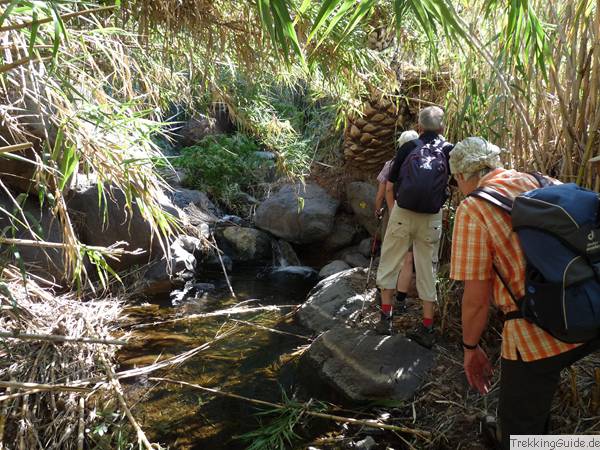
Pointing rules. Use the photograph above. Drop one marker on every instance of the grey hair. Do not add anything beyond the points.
(431, 118)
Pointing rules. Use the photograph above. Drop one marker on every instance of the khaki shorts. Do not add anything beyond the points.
(423, 232)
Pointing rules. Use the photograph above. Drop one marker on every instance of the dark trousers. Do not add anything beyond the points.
(526, 391)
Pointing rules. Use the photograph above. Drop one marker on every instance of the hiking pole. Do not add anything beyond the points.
(373, 246)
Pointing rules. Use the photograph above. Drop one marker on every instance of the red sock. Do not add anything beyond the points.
(387, 309)
(427, 323)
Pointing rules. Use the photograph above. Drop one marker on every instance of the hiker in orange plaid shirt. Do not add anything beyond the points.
(483, 239)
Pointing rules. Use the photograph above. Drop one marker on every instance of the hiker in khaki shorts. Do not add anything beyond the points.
(383, 213)
(418, 178)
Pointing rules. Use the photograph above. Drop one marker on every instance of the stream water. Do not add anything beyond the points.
(254, 362)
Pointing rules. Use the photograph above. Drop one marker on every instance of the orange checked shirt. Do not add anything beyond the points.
(483, 237)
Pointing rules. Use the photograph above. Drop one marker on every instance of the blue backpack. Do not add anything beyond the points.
(423, 182)
(559, 231)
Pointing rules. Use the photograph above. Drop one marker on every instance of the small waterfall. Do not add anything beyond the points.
(283, 254)
(278, 258)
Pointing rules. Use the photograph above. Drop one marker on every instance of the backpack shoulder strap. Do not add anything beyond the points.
(493, 197)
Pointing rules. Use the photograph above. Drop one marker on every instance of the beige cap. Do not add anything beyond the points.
(473, 154)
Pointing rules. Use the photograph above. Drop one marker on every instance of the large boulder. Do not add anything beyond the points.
(299, 221)
(247, 244)
(367, 367)
(182, 198)
(45, 262)
(361, 197)
(335, 299)
(118, 225)
(343, 233)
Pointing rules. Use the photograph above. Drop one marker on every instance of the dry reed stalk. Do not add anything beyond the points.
(56, 338)
(81, 424)
(16, 147)
(118, 390)
(223, 312)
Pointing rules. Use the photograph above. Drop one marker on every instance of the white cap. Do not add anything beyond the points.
(406, 136)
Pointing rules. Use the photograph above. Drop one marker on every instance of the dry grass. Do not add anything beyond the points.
(49, 412)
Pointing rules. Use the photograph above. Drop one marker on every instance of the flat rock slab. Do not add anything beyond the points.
(334, 299)
(367, 367)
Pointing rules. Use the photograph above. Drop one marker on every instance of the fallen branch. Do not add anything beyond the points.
(367, 423)
(223, 312)
(58, 338)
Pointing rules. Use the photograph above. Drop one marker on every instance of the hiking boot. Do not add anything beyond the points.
(422, 335)
(384, 326)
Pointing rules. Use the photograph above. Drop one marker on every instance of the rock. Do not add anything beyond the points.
(159, 278)
(342, 235)
(361, 197)
(367, 443)
(282, 216)
(156, 280)
(181, 258)
(230, 219)
(212, 262)
(355, 259)
(190, 244)
(204, 287)
(119, 225)
(367, 367)
(182, 198)
(333, 267)
(365, 247)
(47, 263)
(247, 244)
(333, 300)
(284, 254)
(195, 129)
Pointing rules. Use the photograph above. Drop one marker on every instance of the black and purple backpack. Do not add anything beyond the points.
(423, 182)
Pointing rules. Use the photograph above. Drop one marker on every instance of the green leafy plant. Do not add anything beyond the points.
(223, 166)
(279, 433)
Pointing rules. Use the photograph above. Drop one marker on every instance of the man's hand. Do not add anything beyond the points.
(478, 370)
